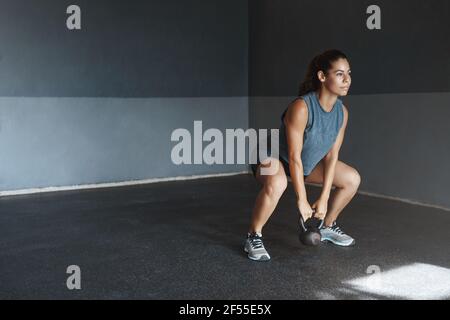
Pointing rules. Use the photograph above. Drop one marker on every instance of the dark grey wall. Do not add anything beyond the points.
(69, 113)
(409, 54)
(100, 104)
(399, 102)
(138, 48)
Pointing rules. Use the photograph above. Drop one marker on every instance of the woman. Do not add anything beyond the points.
(311, 135)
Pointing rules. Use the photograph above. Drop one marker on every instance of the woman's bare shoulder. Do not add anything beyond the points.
(297, 111)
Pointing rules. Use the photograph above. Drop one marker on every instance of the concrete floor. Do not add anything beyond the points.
(183, 240)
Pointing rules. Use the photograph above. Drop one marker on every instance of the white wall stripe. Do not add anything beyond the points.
(194, 177)
(115, 184)
(382, 196)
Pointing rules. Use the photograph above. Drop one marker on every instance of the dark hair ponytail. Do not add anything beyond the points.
(322, 62)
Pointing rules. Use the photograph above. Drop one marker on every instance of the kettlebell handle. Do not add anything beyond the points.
(302, 222)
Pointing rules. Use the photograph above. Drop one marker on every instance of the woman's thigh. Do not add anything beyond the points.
(268, 172)
(343, 174)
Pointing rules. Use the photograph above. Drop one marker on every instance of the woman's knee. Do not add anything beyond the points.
(276, 185)
(353, 179)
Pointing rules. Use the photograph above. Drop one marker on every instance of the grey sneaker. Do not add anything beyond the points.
(255, 248)
(335, 235)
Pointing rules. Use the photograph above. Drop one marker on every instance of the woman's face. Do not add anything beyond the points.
(338, 78)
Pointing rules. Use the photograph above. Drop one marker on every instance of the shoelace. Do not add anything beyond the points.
(336, 229)
(256, 242)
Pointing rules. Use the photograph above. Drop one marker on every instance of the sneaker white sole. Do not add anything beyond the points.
(342, 244)
(263, 257)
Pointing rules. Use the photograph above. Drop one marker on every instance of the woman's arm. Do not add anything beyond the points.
(295, 121)
(331, 159)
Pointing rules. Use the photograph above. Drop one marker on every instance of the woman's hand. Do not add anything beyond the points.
(305, 209)
(320, 207)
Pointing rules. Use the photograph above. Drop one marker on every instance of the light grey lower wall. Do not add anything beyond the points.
(46, 142)
(399, 143)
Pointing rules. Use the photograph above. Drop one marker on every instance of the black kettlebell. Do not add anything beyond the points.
(309, 231)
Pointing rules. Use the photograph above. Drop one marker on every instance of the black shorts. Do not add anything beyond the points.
(283, 162)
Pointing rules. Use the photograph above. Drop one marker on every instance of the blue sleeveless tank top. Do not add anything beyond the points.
(320, 132)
